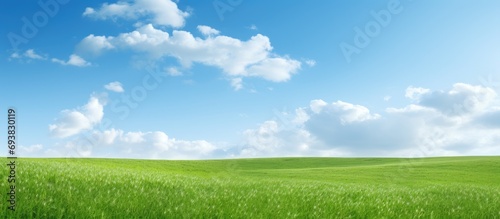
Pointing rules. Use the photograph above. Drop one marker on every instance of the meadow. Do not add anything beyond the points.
(451, 187)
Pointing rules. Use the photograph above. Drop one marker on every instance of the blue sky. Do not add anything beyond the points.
(220, 79)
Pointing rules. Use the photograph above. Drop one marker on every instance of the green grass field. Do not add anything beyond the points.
(457, 187)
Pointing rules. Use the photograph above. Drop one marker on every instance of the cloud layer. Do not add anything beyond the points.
(464, 120)
(159, 12)
(236, 58)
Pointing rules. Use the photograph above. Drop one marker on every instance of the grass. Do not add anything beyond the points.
(455, 187)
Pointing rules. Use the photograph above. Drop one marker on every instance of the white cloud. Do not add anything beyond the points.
(133, 137)
(74, 60)
(276, 69)
(301, 116)
(412, 108)
(415, 92)
(82, 123)
(272, 139)
(346, 126)
(317, 105)
(108, 136)
(349, 113)
(320, 129)
(94, 44)
(461, 99)
(115, 87)
(28, 54)
(159, 12)
(428, 128)
(75, 121)
(263, 138)
(416, 130)
(237, 58)
(172, 71)
(155, 144)
(207, 31)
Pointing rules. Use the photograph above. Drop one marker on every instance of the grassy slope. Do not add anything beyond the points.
(284, 187)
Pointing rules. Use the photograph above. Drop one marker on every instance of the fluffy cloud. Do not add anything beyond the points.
(317, 105)
(269, 140)
(415, 92)
(263, 138)
(462, 121)
(94, 44)
(276, 69)
(87, 140)
(354, 128)
(237, 58)
(75, 121)
(115, 87)
(461, 99)
(207, 31)
(157, 144)
(159, 12)
(74, 60)
(352, 113)
(423, 128)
